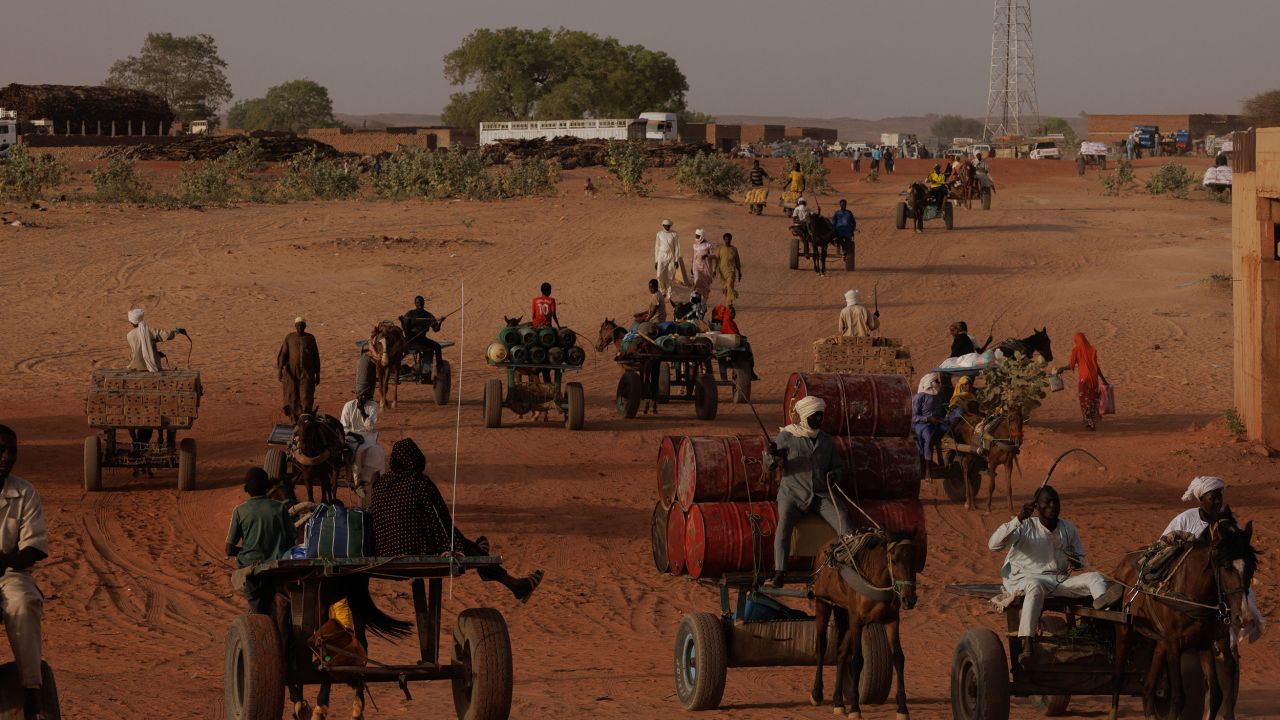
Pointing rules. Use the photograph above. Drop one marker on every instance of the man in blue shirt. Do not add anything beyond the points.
(846, 225)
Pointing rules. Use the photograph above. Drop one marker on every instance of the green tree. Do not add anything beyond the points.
(184, 70)
(1263, 109)
(954, 126)
(288, 107)
(522, 74)
(693, 116)
(1052, 125)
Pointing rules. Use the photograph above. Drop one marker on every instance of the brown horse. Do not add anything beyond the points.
(610, 334)
(996, 441)
(387, 348)
(320, 452)
(917, 199)
(1193, 609)
(965, 186)
(865, 578)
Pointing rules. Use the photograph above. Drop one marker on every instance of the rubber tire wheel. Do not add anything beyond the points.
(948, 215)
(900, 217)
(701, 661)
(493, 403)
(876, 679)
(741, 383)
(577, 403)
(706, 397)
(986, 199)
(92, 463)
(11, 695)
(658, 537)
(793, 257)
(1050, 705)
(664, 384)
(253, 672)
(443, 383)
(627, 400)
(186, 464)
(979, 677)
(276, 463)
(849, 263)
(482, 646)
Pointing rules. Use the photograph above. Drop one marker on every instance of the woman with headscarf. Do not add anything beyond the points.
(962, 396)
(410, 517)
(703, 253)
(1084, 360)
(811, 469)
(928, 410)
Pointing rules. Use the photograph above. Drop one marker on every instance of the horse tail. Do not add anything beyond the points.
(363, 607)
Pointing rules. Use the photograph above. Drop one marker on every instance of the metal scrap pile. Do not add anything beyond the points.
(574, 152)
(211, 147)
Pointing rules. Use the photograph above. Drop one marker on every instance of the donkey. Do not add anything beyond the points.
(319, 449)
(999, 440)
(1036, 343)
(917, 200)
(387, 349)
(867, 577)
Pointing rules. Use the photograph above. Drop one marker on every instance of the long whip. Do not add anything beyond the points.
(1063, 455)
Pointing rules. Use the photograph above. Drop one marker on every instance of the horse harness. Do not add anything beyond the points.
(1155, 572)
(843, 558)
(986, 441)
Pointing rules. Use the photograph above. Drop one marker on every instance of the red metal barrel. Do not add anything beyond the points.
(722, 469)
(880, 468)
(897, 515)
(668, 456)
(858, 405)
(658, 537)
(675, 539)
(718, 537)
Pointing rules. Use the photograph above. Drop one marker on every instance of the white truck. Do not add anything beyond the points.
(1045, 148)
(660, 126)
(649, 126)
(8, 129)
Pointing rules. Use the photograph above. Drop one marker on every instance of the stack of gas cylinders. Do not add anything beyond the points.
(717, 509)
(528, 345)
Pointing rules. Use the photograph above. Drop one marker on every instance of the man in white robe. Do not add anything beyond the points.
(360, 425)
(666, 257)
(142, 342)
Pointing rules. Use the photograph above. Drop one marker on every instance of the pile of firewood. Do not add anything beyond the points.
(93, 106)
(210, 147)
(574, 152)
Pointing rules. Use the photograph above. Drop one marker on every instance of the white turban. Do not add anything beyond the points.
(851, 297)
(666, 223)
(298, 320)
(930, 384)
(135, 316)
(1202, 485)
(804, 408)
(697, 233)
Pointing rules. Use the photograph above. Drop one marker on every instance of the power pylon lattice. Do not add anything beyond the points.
(1012, 108)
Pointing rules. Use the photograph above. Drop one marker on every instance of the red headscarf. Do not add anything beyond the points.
(1084, 358)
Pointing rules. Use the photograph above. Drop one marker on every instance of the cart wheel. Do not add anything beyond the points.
(793, 259)
(443, 383)
(482, 648)
(11, 695)
(493, 403)
(948, 215)
(953, 482)
(92, 463)
(877, 666)
(276, 464)
(986, 199)
(577, 406)
(741, 382)
(187, 464)
(706, 397)
(849, 257)
(701, 661)
(979, 677)
(1050, 705)
(900, 217)
(664, 384)
(628, 396)
(253, 679)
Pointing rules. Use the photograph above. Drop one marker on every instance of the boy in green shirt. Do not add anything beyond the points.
(260, 530)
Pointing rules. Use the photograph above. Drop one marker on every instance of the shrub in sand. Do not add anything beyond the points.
(205, 182)
(1120, 179)
(24, 176)
(628, 161)
(528, 178)
(309, 176)
(815, 173)
(1172, 179)
(710, 175)
(119, 182)
(415, 172)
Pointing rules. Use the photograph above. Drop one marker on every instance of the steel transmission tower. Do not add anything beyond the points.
(1011, 96)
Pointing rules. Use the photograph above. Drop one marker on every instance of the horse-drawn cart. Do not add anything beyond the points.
(152, 407)
(687, 371)
(438, 373)
(1074, 655)
(525, 393)
(284, 459)
(265, 654)
(930, 212)
(707, 644)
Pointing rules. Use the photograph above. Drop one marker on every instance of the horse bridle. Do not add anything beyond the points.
(898, 585)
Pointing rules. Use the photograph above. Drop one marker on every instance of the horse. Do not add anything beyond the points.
(1036, 342)
(387, 348)
(917, 200)
(320, 451)
(864, 578)
(997, 439)
(965, 186)
(1192, 609)
(610, 333)
(817, 233)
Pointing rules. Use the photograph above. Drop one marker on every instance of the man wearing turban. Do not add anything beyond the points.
(298, 367)
(142, 342)
(811, 469)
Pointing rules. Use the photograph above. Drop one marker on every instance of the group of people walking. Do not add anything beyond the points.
(709, 262)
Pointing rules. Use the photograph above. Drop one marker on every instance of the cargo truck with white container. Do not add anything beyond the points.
(655, 126)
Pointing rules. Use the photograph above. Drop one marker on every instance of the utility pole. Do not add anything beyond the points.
(1012, 108)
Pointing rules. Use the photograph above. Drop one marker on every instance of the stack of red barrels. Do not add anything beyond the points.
(713, 490)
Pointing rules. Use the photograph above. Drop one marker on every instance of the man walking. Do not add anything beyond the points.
(24, 541)
(758, 174)
(729, 268)
(298, 368)
(666, 257)
(260, 530)
(855, 319)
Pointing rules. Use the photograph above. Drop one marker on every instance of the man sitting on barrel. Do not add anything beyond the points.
(811, 469)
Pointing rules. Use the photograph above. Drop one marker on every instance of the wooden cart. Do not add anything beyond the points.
(439, 374)
(756, 198)
(670, 377)
(707, 644)
(525, 394)
(947, 215)
(280, 465)
(265, 654)
(157, 403)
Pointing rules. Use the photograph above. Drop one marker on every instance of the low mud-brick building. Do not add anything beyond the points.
(1255, 270)
(89, 109)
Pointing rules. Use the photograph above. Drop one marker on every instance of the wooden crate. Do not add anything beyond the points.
(861, 355)
(139, 399)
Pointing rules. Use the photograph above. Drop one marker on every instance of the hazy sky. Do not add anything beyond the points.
(815, 58)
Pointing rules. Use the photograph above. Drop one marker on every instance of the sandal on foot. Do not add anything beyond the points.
(534, 580)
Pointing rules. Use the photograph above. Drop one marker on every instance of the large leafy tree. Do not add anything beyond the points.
(1053, 125)
(954, 126)
(184, 70)
(522, 74)
(291, 106)
(1263, 109)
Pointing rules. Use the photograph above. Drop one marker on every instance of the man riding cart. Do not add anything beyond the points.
(416, 323)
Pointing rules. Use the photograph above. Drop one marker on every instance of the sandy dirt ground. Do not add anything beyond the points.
(137, 586)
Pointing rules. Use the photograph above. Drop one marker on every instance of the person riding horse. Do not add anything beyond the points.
(416, 323)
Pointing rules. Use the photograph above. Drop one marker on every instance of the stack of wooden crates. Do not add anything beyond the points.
(878, 355)
(128, 398)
